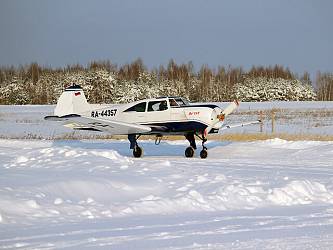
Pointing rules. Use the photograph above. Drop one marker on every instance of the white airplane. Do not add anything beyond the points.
(159, 116)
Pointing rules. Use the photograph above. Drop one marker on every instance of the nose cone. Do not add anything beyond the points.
(216, 116)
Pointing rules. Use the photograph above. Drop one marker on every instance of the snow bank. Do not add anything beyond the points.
(279, 143)
(231, 197)
(300, 192)
(77, 180)
(71, 194)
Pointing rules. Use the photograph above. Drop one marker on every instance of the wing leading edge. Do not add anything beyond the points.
(240, 124)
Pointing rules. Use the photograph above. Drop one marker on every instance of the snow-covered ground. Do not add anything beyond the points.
(271, 194)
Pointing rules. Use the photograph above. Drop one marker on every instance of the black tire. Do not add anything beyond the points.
(137, 152)
(189, 152)
(203, 154)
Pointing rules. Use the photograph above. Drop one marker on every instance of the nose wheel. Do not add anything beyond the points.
(203, 153)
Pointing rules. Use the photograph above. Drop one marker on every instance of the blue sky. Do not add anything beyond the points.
(295, 34)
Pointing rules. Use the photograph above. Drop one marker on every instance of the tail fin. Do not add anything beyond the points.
(71, 101)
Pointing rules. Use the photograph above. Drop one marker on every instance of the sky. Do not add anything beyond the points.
(295, 34)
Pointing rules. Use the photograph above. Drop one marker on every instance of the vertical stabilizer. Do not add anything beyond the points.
(71, 101)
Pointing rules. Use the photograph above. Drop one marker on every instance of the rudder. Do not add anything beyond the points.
(71, 101)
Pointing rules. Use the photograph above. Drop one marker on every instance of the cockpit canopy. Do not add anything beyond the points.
(159, 104)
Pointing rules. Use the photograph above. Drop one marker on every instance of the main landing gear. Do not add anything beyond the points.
(189, 152)
(137, 150)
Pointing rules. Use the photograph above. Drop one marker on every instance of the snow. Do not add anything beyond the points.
(90, 194)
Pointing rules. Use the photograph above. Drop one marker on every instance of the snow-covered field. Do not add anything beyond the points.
(90, 194)
(271, 194)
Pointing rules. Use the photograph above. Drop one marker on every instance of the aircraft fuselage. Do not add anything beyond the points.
(163, 115)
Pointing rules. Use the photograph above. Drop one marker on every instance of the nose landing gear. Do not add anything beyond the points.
(203, 152)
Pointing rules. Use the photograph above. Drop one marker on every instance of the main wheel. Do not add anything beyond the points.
(203, 154)
(137, 152)
(189, 152)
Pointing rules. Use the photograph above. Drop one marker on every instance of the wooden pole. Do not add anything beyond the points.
(273, 121)
(261, 118)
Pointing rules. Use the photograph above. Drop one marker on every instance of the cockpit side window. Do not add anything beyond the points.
(173, 103)
(140, 107)
(157, 105)
(180, 102)
(185, 101)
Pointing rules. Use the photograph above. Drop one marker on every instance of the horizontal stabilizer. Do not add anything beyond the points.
(60, 118)
(78, 122)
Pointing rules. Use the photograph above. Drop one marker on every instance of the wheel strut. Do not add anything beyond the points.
(203, 152)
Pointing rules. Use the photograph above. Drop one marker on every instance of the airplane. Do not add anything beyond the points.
(169, 115)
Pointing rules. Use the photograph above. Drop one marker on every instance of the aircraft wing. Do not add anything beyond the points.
(240, 124)
(112, 127)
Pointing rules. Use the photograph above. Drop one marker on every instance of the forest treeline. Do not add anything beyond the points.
(104, 81)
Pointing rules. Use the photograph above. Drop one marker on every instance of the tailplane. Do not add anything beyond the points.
(71, 101)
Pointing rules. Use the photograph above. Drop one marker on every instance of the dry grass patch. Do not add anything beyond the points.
(218, 137)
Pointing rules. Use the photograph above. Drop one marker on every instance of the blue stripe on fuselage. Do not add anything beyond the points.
(177, 127)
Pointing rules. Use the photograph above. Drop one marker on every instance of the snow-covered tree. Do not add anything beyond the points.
(104, 82)
(271, 89)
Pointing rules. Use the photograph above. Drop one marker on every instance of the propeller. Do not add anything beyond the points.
(220, 117)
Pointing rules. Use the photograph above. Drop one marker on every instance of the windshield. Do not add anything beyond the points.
(182, 101)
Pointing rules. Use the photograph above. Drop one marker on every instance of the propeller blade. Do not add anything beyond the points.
(228, 110)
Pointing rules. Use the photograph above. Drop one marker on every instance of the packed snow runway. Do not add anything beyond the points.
(88, 194)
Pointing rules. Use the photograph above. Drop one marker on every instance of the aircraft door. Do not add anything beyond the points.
(158, 111)
(136, 113)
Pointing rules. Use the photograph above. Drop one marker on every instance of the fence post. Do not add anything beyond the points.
(273, 121)
(261, 118)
